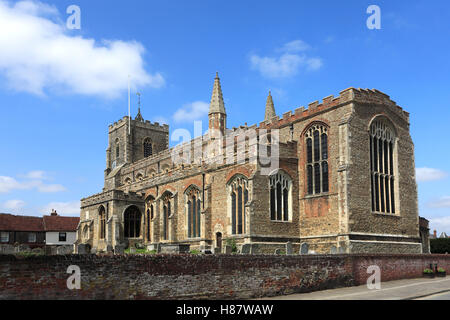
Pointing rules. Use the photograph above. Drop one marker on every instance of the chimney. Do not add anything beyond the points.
(54, 213)
(435, 234)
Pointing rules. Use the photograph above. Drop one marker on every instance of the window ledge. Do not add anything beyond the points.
(311, 196)
(396, 215)
(280, 221)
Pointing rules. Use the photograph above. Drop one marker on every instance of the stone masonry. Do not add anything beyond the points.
(160, 191)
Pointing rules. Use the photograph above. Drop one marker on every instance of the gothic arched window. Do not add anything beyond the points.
(132, 222)
(382, 143)
(193, 212)
(167, 212)
(317, 159)
(102, 222)
(280, 196)
(117, 149)
(148, 148)
(238, 197)
(150, 214)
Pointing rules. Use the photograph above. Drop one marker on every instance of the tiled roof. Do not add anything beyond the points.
(58, 223)
(9, 222)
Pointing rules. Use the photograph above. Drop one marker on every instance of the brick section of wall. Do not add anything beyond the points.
(198, 277)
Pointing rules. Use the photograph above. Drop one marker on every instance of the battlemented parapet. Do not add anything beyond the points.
(361, 96)
(143, 124)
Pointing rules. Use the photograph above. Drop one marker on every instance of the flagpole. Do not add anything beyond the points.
(129, 107)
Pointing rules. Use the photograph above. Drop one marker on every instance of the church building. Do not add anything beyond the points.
(341, 180)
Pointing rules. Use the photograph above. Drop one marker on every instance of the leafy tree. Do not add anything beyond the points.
(440, 245)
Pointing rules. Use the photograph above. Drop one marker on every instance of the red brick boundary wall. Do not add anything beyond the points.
(198, 276)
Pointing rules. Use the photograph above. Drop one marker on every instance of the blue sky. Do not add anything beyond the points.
(61, 88)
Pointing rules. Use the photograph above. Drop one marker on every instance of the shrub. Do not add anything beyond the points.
(427, 271)
(440, 245)
(232, 244)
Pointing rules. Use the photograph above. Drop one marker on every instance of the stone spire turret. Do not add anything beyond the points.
(217, 105)
(217, 113)
(270, 108)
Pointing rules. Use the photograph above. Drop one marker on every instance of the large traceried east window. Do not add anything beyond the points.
(280, 196)
(193, 205)
(132, 222)
(382, 146)
(317, 159)
(238, 198)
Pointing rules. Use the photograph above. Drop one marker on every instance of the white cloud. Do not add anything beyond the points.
(37, 53)
(191, 111)
(443, 202)
(63, 208)
(14, 205)
(289, 63)
(50, 188)
(429, 174)
(8, 184)
(441, 224)
(295, 46)
(37, 175)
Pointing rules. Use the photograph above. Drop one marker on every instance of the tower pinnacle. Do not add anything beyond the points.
(139, 116)
(270, 108)
(217, 114)
(217, 105)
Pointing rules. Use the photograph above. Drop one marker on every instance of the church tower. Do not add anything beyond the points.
(131, 140)
(270, 109)
(217, 114)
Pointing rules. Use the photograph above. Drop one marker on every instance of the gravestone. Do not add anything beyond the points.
(119, 249)
(139, 245)
(217, 251)
(132, 250)
(109, 248)
(175, 248)
(82, 248)
(289, 247)
(7, 249)
(254, 249)
(63, 250)
(38, 251)
(246, 248)
(304, 248)
(333, 250)
(94, 250)
(228, 250)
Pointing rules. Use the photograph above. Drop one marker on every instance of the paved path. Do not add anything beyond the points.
(422, 288)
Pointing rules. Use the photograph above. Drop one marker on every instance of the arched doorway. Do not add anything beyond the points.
(132, 222)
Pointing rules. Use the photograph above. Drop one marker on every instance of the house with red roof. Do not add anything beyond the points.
(37, 232)
(60, 230)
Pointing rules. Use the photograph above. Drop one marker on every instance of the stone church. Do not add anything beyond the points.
(344, 182)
